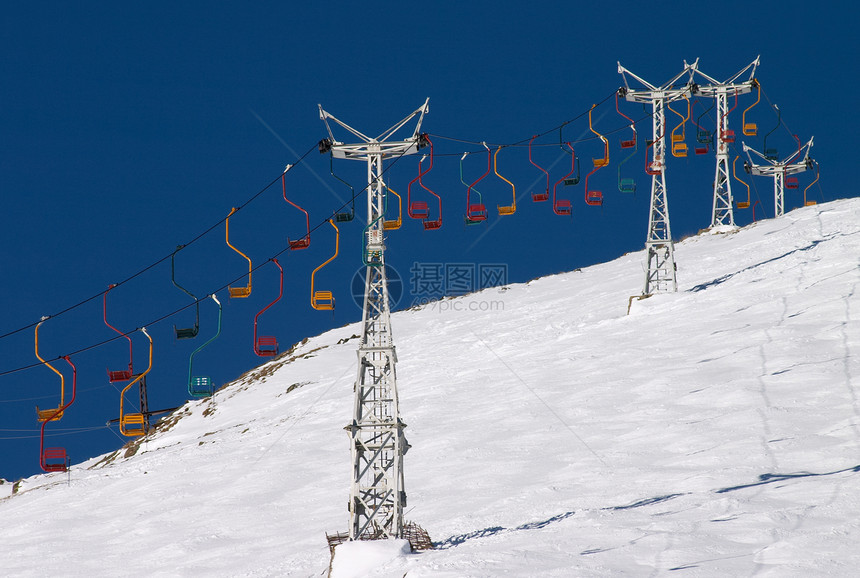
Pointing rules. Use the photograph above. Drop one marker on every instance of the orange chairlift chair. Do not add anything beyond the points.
(244, 291)
(679, 146)
(594, 197)
(807, 202)
(751, 128)
(505, 209)
(122, 374)
(56, 413)
(305, 241)
(266, 345)
(393, 224)
(56, 459)
(134, 424)
(324, 300)
(741, 204)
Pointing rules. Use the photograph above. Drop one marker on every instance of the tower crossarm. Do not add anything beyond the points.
(420, 112)
(731, 84)
(667, 87)
(785, 166)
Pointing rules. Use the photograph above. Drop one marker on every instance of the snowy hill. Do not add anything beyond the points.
(712, 432)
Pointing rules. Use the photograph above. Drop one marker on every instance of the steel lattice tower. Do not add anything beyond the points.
(660, 275)
(778, 169)
(723, 213)
(377, 494)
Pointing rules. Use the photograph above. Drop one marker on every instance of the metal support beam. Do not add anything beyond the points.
(660, 275)
(377, 442)
(722, 213)
(779, 169)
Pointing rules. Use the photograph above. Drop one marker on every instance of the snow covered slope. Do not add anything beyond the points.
(712, 432)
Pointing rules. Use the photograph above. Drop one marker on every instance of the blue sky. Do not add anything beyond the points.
(129, 130)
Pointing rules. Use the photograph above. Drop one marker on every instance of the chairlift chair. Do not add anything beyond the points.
(121, 374)
(245, 291)
(324, 300)
(184, 332)
(807, 202)
(563, 206)
(728, 135)
(393, 224)
(679, 147)
(133, 424)
(52, 414)
(631, 142)
(704, 137)
(343, 216)
(751, 128)
(305, 241)
(477, 212)
(416, 209)
(505, 209)
(741, 204)
(537, 197)
(266, 345)
(429, 225)
(201, 385)
(55, 459)
(772, 154)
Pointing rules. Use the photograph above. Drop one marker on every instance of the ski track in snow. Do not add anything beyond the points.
(712, 432)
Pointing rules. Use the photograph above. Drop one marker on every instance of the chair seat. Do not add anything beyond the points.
(627, 186)
(594, 198)
(266, 346)
(49, 414)
(432, 225)
(200, 386)
(562, 207)
(323, 300)
(55, 454)
(302, 243)
(186, 332)
(477, 212)
(507, 210)
(133, 424)
(750, 129)
(539, 197)
(240, 291)
(419, 210)
(122, 375)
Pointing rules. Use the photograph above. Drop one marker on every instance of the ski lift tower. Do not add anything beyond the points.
(779, 169)
(377, 442)
(660, 276)
(722, 209)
